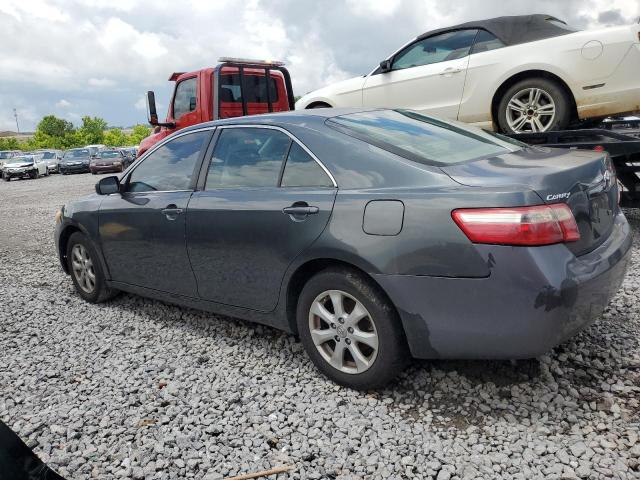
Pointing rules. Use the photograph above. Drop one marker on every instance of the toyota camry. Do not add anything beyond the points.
(374, 235)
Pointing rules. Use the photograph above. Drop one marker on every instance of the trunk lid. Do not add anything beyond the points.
(582, 179)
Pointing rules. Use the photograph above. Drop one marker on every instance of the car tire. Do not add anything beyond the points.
(86, 271)
(385, 353)
(548, 96)
(6, 178)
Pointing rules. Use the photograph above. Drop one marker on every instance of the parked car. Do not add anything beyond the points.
(375, 235)
(52, 159)
(8, 154)
(75, 160)
(95, 149)
(129, 154)
(514, 74)
(30, 166)
(108, 160)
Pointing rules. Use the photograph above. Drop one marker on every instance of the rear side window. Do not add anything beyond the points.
(301, 170)
(486, 41)
(185, 98)
(418, 137)
(255, 88)
(439, 48)
(170, 167)
(247, 157)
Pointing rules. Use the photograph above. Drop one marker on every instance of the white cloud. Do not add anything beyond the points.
(101, 82)
(63, 103)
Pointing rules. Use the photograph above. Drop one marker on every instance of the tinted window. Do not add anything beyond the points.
(420, 138)
(247, 157)
(486, 41)
(303, 171)
(185, 98)
(255, 88)
(439, 48)
(170, 167)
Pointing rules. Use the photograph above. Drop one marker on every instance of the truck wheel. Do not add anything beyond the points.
(86, 271)
(534, 105)
(350, 330)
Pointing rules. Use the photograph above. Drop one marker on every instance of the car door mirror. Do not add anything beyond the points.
(108, 185)
(385, 66)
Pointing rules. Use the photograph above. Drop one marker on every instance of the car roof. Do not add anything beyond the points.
(511, 30)
(292, 117)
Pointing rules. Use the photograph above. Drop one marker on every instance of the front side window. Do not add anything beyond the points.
(185, 98)
(301, 170)
(420, 138)
(439, 48)
(255, 88)
(486, 41)
(247, 157)
(170, 167)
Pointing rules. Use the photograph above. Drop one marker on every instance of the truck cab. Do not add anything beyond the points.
(233, 88)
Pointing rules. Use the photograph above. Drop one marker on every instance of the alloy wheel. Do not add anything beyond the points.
(83, 270)
(531, 110)
(343, 331)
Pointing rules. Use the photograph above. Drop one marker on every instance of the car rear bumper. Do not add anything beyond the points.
(534, 299)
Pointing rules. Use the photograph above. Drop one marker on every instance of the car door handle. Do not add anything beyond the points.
(450, 70)
(300, 210)
(171, 211)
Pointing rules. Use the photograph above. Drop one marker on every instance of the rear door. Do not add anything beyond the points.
(427, 76)
(265, 199)
(142, 230)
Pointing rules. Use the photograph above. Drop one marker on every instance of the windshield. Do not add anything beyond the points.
(48, 155)
(77, 153)
(110, 154)
(20, 160)
(420, 138)
(4, 155)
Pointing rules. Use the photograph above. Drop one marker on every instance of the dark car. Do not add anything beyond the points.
(374, 235)
(75, 160)
(108, 161)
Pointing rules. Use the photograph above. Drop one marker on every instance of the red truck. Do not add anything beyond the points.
(233, 88)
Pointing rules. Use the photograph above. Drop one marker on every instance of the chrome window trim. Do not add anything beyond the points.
(292, 137)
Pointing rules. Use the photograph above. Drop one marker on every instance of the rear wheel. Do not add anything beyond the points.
(350, 330)
(534, 105)
(86, 272)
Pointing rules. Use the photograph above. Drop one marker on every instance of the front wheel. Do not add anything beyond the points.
(86, 272)
(350, 330)
(534, 105)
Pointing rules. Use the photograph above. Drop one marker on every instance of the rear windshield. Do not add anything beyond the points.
(255, 88)
(420, 138)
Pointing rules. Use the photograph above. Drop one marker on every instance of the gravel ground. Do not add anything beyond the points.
(138, 389)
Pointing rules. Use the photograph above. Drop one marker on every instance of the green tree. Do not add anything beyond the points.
(9, 144)
(92, 129)
(54, 126)
(115, 137)
(139, 133)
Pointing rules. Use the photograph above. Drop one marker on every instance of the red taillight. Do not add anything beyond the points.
(598, 148)
(537, 225)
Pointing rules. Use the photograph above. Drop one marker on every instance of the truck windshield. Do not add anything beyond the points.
(420, 138)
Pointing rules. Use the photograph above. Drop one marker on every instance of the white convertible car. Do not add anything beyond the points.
(515, 74)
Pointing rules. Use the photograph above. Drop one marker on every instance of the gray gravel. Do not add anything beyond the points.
(138, 389)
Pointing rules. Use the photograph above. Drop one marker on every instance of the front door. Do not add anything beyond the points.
(427, 76)
(254, 216)
(142, 230)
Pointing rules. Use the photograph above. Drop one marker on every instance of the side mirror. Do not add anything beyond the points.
(152, 113)
(385, 66)
(108, 185)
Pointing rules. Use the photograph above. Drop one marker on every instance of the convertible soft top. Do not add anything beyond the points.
(513, 30)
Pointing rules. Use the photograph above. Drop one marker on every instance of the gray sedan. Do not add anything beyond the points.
(373, 235)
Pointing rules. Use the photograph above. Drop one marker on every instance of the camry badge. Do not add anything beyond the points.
(558, 196)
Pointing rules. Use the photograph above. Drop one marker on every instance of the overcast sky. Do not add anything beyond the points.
(98, 57)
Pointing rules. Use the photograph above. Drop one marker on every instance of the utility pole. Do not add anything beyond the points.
(15, 114)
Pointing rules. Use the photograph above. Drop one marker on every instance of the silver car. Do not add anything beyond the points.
(51, 158)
